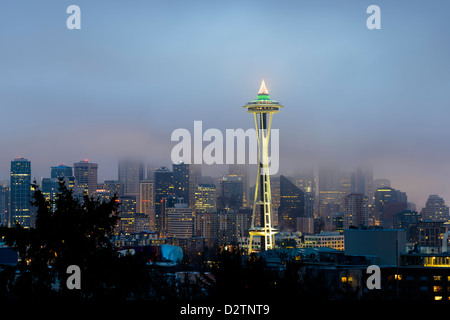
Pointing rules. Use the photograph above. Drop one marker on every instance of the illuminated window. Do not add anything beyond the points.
(344, 279)
(437, 278)
(437, 289)
(438, 298)
(398, 277)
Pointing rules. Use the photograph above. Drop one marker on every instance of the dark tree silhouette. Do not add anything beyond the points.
(74, 233)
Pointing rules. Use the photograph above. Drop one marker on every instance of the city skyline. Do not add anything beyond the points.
(354, 95)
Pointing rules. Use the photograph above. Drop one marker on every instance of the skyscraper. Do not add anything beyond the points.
(333, 186)
(20, 197)
(435, 209)
(180, 221)
(130, 173)
(232, 193)
(195, 176)
(275, 194)
(241, 170)
(114, 187)
(127, 212)
(64, 173)
(362, 179)
(147, 201)
(356, 212)
(307, 183)
(61, 171)
(181, 180)
(404, 220)
(107, 189)
(4, 205)
(292, 205)
(85, 173)
(49, 188)
(263, 109)
(164, 187)
(205, 198)
(388, 202)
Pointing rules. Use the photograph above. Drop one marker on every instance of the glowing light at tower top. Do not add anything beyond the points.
(263, 103)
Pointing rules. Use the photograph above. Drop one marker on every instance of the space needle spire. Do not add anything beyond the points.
(263, 109)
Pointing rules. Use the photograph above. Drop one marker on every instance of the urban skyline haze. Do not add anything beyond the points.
(136, 72)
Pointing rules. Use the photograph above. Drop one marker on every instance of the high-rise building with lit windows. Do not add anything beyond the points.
(388, 202)
(64, 173)
(20, 200)
(180, 221)
(4, 204)
(292, 205)
(181, 180)
(61, 171)
(356, 210)
(85, 173)
(147, 201)
(205, 198)
(195, 176)
(49, 188)
(435, 209)
(164, 188)
(127, 213)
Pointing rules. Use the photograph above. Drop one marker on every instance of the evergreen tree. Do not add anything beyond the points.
(75, 233)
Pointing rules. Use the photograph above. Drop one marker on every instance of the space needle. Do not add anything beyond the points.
(263, 109)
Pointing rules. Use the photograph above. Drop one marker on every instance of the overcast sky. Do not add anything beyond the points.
(137, 70)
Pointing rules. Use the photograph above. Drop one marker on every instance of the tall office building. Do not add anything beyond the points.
(205, 198)
(114, 187)
(180, 221)
(361, 181)
(356, 212)
(64, 173)
(404, 220)
(61, 171)
(206, 226)
(435, 209)
(307, 183)
(127, 213)
(232, 193)
(131, 172)
(195, 176)
(147, 201)
(243, 221)
(20, 197)
(380, 183)
(241, 170)
(108, 189)
(181, 180)
(292, 205)
(388, 202)
(333, 186)
(163, 188)
(85, 173)
(49, 189)
(275, 193)
(4, 205)
(227, 228)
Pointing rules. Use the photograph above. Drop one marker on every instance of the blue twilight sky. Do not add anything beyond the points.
(137, 70)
